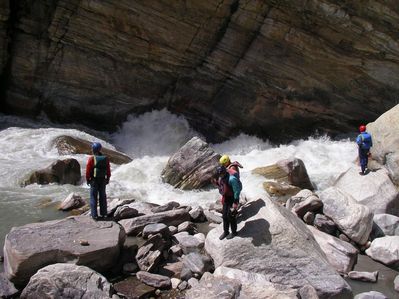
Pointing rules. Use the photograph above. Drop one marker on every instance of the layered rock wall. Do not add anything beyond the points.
(273, 68)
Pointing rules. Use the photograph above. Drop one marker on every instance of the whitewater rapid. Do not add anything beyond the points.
(150, 139)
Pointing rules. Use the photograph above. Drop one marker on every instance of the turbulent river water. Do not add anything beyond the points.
(149, 139)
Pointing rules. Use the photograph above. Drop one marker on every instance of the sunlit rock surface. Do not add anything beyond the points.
(272, 68)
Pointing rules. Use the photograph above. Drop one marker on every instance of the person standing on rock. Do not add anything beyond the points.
(230, 188)
(98, 173)
(364, 142)
(233, 168)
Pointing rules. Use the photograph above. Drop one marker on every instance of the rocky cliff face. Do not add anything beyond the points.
(273, 68)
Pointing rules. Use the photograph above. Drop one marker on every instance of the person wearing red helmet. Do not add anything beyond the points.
(364, 142)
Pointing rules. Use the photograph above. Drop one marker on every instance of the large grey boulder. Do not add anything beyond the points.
(69, 145)
(341, 255)
(275, 243)
(7, 288)
(134, 226)
(385, 250)
(67, 281)
(192, 167)
(385, 136)
(385, 225)
(254, 285)
(33, 246)
(374, 190)
(351, 217)
(65, 171)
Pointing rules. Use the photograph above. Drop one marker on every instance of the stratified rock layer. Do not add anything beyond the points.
(264, 67)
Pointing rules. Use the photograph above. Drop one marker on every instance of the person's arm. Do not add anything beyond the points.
(359, 140)
(89, 169)
(236, 188)
(108, 171)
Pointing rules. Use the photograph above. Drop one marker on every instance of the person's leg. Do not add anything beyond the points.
(226, 223)
(102, 199)
(93, 199)
(361, 160)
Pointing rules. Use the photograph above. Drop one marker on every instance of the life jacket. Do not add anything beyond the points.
(224, 187)
(234, 169)
(365, 141)
(100, 166)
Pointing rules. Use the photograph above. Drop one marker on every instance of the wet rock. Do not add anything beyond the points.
(371, 295)
(73, 201)
(68, 145)
(341, 255)
(150, 253)
(363, 276)
(267, 230)
(61, 171)
(385, 250)
(7, 288)
(154, 280)
(289, 171)
(156, 228)
(135, 225)
(197, 214)
(131, 287)
(167, 207)
(33, 246)
(67, 281)
(374, 190)
(125, 212)
(212, 287)
(192, 166)
(352, 218)
(325, 224)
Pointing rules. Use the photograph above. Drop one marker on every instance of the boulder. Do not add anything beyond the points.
(374, 190)
(166, 207)
(255, 285)
(7, 288)
(197, 263)
(73, 201)
(363, 276)
(351, 217)
(385, 250)
(385, 150)
(280, 189)
(288, 171)
(150, 253)
(67, 281)
(212, 287)
(114, 203)
(341, 255)
(275, 243)
(213, 216)
(371, 295)
(309, 204)
(156, 228)
(197, 214)
(192, 167)
(154, 280)
(325, 224)
(134, 226)
(33, 246)
(69, 145)
(308, 218)
(125, 212)
(65, 171)
(187, 226)
(188, 243)
(385, 225)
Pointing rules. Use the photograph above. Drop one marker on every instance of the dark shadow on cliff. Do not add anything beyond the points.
(257, 229)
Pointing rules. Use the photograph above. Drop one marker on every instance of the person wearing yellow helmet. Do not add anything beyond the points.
(233, 168)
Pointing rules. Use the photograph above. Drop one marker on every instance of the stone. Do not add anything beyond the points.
(172, 229)
(192, 282)
(371, 295)
(65, 171)
(30, 247)
(67, 281)
(73, 201)
(341, 255)
(215, 287)
(385, 250)
(176, 251)
(385, 225)
(396, 283)
(351, 217)
(299, 197)
(325, 224)
(276, 244)
(363, 276)
(114, 203)
(310, 204)
(131, 287)
(192, 166)
(130, 268)
(125, 212)
(280, 189)
(288, 171)
(197, 263)
(156, 228)
(214, 217)
(175, 282)
(188, 243)
(134, 226)
(167, 207)
(187, 226)
(154, 280)
(197, 214)
(7, 288)
(307, 292)
(308, 218)
(171, 269)
(150, 253)
(374, 190)
(183, 285)
(70, 145)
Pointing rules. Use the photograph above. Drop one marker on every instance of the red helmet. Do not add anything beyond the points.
(362, 128)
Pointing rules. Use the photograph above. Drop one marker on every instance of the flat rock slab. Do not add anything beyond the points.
(67, 281)
(33, 246)
(133, 288)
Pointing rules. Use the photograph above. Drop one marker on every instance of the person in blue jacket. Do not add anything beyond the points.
(364, 142)
(230, 189)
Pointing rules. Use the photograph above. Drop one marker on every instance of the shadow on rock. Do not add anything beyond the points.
(250, 209)
(258, 230)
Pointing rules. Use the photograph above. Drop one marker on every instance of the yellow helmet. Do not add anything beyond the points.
(224, 160)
